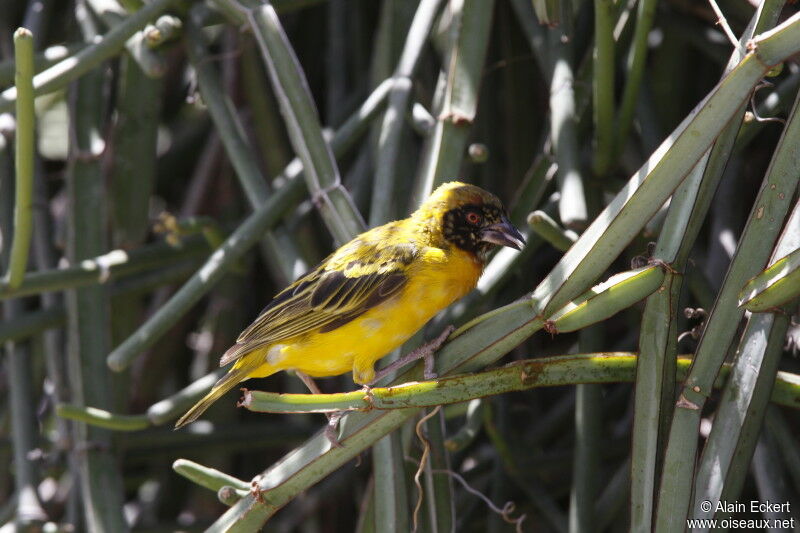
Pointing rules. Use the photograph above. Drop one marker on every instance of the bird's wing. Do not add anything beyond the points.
(357, 277)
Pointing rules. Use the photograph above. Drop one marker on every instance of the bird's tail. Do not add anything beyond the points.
(225, 383)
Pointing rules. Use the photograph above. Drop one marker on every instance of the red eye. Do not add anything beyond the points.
(473, 218)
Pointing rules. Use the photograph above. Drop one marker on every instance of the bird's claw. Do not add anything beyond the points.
(427, 351)
(424, 352)
(332, 429)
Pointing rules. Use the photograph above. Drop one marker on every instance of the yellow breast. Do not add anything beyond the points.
(436, 280)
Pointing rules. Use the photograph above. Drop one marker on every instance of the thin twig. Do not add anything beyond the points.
(723, 22)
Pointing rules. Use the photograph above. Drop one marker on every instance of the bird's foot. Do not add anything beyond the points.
(332, 429)
(308, 382)
(424, 352)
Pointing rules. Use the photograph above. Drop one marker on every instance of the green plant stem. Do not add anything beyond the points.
(687, 211)
(349, 132)
(621, 220)
(531, 191)
(164, 29)
(775, 286)
(20, 415)
(249, 514)
(383, 207)
(603, 85)
(549, 12)
(28, 324)
(305, 133)
(600, 367)
(157, 414)
(223, 113)
(774, 45)
(24, 432)
(107, 267)
(134, 170)
(90, 57)
(737, 424)
(392, 24)
(366, 515)
(655, 386)
(635, 66)
(88, 312)
(365, 431)
(54, 315)
(111, 13)
(390, 488)
(101, 418)
(229, 495)
(459, 82)
(741, 410)
(421, 119)
(550, 231)
(269, 133)
(605, 299)
(23, 217)
(207, 477)
(653, 397)
(572, 208)
(135, 137)
(586, 459)
(600, 302)
(762, 228)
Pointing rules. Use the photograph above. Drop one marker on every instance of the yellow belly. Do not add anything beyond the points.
(433, 284)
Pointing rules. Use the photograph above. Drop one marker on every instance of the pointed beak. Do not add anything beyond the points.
(503, 233)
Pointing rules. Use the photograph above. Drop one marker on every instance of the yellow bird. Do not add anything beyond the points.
(372, 294)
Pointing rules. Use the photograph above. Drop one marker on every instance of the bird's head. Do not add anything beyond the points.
(470, 218)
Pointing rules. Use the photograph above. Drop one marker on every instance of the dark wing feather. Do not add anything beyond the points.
(359, 276)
